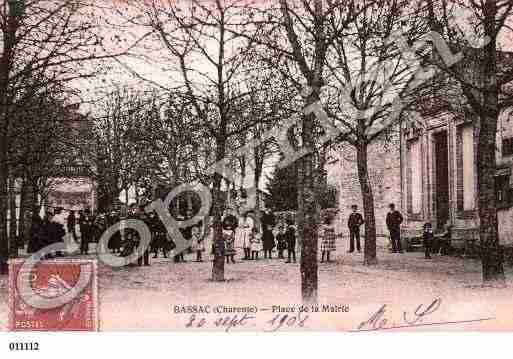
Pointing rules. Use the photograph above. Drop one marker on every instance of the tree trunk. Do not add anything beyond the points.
(308, 211)
(491, 252)
(4, 245)
(369, 248)
(28, 206)
(256, 182)
(6, 63)
(13, 223)
(242, 173)
(218, 266)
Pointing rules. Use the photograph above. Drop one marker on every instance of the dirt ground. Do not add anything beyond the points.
(144, 298)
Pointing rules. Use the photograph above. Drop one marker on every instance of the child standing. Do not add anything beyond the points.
(256, 244)
(282, 241)
(245, 231)
(327, 236)
(198, 243)
(229, 243)
(427, 237)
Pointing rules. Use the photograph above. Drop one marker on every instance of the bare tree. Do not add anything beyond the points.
(122, 130)
(482, 83)
(299, 35)
(267, 104)
(368, 75)
(40, 39)
(209, 74)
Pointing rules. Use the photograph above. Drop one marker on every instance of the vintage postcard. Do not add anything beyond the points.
(256, 166)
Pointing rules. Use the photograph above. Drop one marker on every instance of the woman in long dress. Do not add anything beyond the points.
(268, 223)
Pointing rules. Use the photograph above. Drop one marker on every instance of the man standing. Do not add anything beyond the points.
(85, 223)
(354, 222)
(268, 222)
(158, 235)
(394, 220)
(144, 257)
(71, 223)
(290, 237)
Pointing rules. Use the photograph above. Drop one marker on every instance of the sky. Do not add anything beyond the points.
(150, 63)
(154, 66)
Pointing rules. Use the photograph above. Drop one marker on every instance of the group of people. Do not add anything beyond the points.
(83, 227)
(432, 243)
(53, 227)
(439, 244)
(250, 233)
(255, 234)
(46, 231)
(393, 220)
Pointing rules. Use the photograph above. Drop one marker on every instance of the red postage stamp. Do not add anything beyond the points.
(53, 295)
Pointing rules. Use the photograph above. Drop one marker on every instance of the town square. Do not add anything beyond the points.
(246, 165)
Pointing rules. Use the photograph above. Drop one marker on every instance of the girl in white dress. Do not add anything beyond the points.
(245, 234)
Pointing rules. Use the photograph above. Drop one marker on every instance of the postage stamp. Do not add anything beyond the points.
(53, 295)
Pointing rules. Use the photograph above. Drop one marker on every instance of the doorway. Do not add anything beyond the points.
(441, 178)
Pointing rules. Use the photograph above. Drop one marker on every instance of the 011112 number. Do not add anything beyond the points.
(19, 346)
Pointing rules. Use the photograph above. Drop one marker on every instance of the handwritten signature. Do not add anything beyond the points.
(418, 318)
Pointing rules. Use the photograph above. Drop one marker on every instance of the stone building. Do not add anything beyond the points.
(440, 176)
(72, 185)
(439, 172)
(429, 166)
(385, 177)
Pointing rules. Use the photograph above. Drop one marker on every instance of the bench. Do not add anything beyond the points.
(464, 242)
(411, 240)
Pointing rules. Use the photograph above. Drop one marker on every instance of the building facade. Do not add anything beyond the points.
(439, 176)
(429, 168)
(440, 158)
(72, 185)
(384, 164)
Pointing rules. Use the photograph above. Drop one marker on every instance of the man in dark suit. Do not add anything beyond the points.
(394, 220)
(71, 224)
(290, 237)
(145, 255)
(268, 222)
(354, 222)
(85, 223)
(158, 235)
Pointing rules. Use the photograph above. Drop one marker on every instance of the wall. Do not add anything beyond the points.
(384, 166)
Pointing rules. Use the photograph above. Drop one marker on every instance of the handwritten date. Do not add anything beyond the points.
(228, 322)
